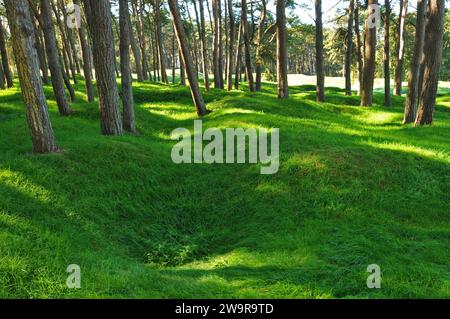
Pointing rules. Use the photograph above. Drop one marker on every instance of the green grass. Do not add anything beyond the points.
(354, 188)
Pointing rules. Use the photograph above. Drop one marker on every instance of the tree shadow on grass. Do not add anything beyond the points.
(125, 193)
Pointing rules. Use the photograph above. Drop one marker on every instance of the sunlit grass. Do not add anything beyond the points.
(355, 187)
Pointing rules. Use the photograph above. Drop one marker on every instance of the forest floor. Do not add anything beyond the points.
(354, 188)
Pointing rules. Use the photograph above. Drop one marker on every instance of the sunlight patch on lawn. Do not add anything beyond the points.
(434, 155)
(378, 118)
(24, 186)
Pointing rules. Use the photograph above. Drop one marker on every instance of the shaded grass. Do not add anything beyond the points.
(354, 188)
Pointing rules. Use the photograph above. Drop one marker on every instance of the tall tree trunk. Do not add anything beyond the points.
(282, 76)
(66, 79)
(261, 24)
(125, 68)
(400, 47)
(187, 59)
(216, 43)
(173, 57)
(56, 70)
(182, 70)
(138, 15)
(232, 32)
(238, 64)
(246, 36)
(369, 60)
(194, 40)
(349, 50)
(100, 26)
(319, 52)
(4, 56)
(432, 61)
(159, 35)
(414, 69)
(2, 78)
(41, 55)
(70, 36)
(204, 45)
(221, 56)
(65, 42)
(387, 59)
(21, 26)
(85, 50)
(137, 55)
(359, 45)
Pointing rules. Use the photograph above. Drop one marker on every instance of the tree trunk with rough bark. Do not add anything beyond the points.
(4, 56)
(432, 62)
(56, 70)
(100, 26)
(282, 76)
(349, 50)
(216, 43)
(21, 26)
(359, 45)
(414, 68)
(204, 45)
(369, 59)
(159, 35)
(247, 48)
(65, 43)
(387, 59)
(400, 47)
(237, 64)
(319, 52)
(187, 59)
(258, 61)
(125, 68)
(85, 51)
(231, 39)
(41, 54)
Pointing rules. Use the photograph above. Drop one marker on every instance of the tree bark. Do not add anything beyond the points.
(319, 52)
(70, 36)
(216, 44)
(414, 68)
(349, 50)
(432, 62)
(100, 26)
(65, 43)
(387, 59)
(159, 35)
(369, 60)
(358, 44)
(400, 47)
(56, 70)
(4, 56)
(261, 25)
(204, 45)
(125, 68)
(21, 26)
(231, 39)
(238, 64)
(138, 12)
(282, 76)
(2, 78)
(85, 50)
(187, 59)
(137, 55)
(41, 54)
(247, 55)
(182, 70)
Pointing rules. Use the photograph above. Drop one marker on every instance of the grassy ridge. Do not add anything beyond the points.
(354, 188)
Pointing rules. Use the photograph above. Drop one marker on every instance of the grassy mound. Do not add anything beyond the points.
(354, 188)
